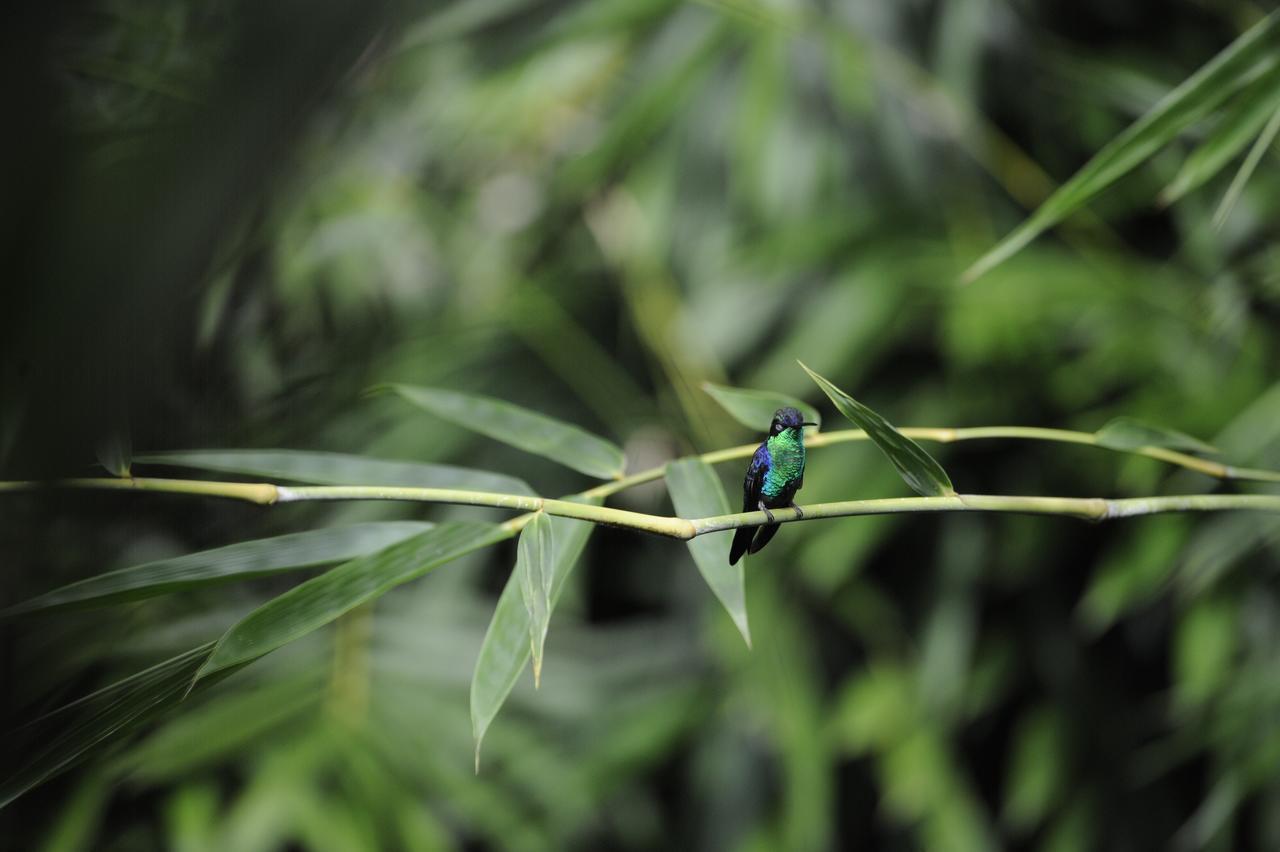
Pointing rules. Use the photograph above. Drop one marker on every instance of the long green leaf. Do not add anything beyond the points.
(323, 468)
(1254, 52)
(1126, 433)
(1243, 121)
(534, 567)
(919, 469)
(239, 561)
(320, 600)
(505, 649)
(754, 408)
(697, 492)
(71, 733)
(530, 431)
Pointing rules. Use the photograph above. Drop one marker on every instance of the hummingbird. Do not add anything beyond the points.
(774, 476)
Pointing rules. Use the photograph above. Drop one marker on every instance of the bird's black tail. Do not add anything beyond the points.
(762, 538)
(750, 540)
(741, 542)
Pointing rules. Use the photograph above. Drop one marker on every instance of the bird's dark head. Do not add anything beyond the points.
(788, 418)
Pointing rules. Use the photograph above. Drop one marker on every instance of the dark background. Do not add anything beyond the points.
(223, 221)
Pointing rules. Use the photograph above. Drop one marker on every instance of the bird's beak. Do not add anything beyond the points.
(808, 423)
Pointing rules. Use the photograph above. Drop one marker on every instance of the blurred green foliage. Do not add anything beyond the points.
(224, 221)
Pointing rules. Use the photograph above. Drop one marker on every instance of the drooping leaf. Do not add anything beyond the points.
(1254, 52)
(239, 561)
(114, 452)
(505, 649)
(917, 468)
(697, 492)
(323, 468)
(533, 565)
(754, 408)
(528, 430)
(322, 599)
(73, 732)
(1126, 433)
(1242, 121)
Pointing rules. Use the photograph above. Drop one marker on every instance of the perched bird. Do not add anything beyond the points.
(774, 476)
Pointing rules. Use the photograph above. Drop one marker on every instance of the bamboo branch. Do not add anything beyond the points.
(1085, 508)
(1094, 508)
(265, 493)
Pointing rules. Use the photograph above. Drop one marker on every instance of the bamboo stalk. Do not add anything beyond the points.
(265, 493)
(1088, 508)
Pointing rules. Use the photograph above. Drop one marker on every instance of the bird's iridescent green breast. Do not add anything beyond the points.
(786, 461)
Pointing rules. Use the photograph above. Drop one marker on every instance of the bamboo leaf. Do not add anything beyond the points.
(322, 468)
(919, 469)
(1251, 160)
(239, 561)
(533, 566)
(1242, 122)
(506, 647)
(697, 492)
(1126, 433)
(73, 732)
(1254, 52)
(528, 430)
(322, 599)
(755, 408)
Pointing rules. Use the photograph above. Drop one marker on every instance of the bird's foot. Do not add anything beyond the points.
(765, 509)
(799, 511)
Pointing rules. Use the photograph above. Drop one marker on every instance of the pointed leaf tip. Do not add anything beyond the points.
(918, 469)
(115, 453)
(535, 568)
(506, 648)
(1127, 433)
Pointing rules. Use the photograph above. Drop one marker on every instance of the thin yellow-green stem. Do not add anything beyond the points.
(1085, 508)
(943, 435)
(262, 493)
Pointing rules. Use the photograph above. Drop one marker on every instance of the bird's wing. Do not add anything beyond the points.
(754, 480)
